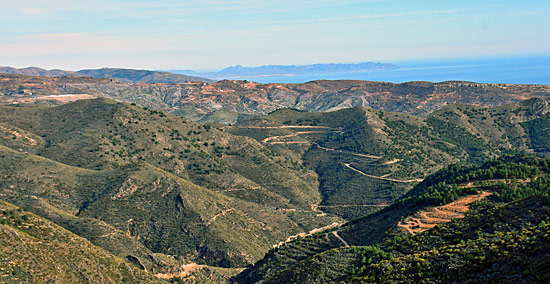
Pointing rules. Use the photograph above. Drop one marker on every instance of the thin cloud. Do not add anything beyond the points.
(380, 16)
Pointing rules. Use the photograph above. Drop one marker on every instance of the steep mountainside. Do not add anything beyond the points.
(501, 237)
(198, 100)
(35, 250)
(366, 159)
(137, 182)
(124, 75)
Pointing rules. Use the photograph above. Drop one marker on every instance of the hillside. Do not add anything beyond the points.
(137, 181)
(366, 159)
(124, 75)
(501, 237)
(35, 250)
(197, 100)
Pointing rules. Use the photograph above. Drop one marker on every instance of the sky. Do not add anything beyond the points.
(213, 34)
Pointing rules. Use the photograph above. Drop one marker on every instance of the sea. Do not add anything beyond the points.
(526, 70)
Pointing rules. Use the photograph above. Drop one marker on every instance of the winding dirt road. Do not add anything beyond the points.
(335, 233)
(382, 177)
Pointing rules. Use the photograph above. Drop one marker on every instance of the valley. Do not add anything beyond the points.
(274, 142)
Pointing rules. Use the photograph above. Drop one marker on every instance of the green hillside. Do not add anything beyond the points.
(35, 250)
(102, 134)
(136, 181)
(366, 159)
(201, 200)
(506, 229)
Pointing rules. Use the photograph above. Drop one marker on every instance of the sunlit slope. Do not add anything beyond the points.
(505, 226)
(366, 158)
(35, 250)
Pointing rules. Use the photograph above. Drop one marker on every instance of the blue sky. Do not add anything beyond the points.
(210, 34)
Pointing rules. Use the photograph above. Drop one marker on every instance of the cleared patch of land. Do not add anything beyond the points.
(432, 216)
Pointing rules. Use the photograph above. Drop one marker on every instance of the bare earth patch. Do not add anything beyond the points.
(432, 216)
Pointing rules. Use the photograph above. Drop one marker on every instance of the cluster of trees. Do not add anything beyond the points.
(538, 131)
(482, 245)
(510, 179)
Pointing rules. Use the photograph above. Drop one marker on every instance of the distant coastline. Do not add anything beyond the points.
(527, 70)
(267, 71)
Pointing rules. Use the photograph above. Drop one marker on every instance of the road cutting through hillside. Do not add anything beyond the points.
(291, 135)
(349, 152)
(289, 142)
(430, 217)
(327, 129)
(382, 178)
(354, 205)
(317, 230)
(392, 162)
(315, 208)
(335, 233)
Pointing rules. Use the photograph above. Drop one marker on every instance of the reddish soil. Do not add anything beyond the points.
(432, 216)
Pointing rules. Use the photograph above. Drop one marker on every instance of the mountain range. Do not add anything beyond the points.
(123, 75)
(232, 101)
(182, 76)
(241, 72)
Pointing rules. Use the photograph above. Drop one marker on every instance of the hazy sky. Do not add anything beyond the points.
(170, 34)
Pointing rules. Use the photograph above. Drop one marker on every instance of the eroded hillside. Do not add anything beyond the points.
(228, 100)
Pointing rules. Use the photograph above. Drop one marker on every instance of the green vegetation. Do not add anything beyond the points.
(162, 192)
(34, 250)
(539, 133)
(366, 158)
(138, 181)
(507, 230)
(503, 243)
